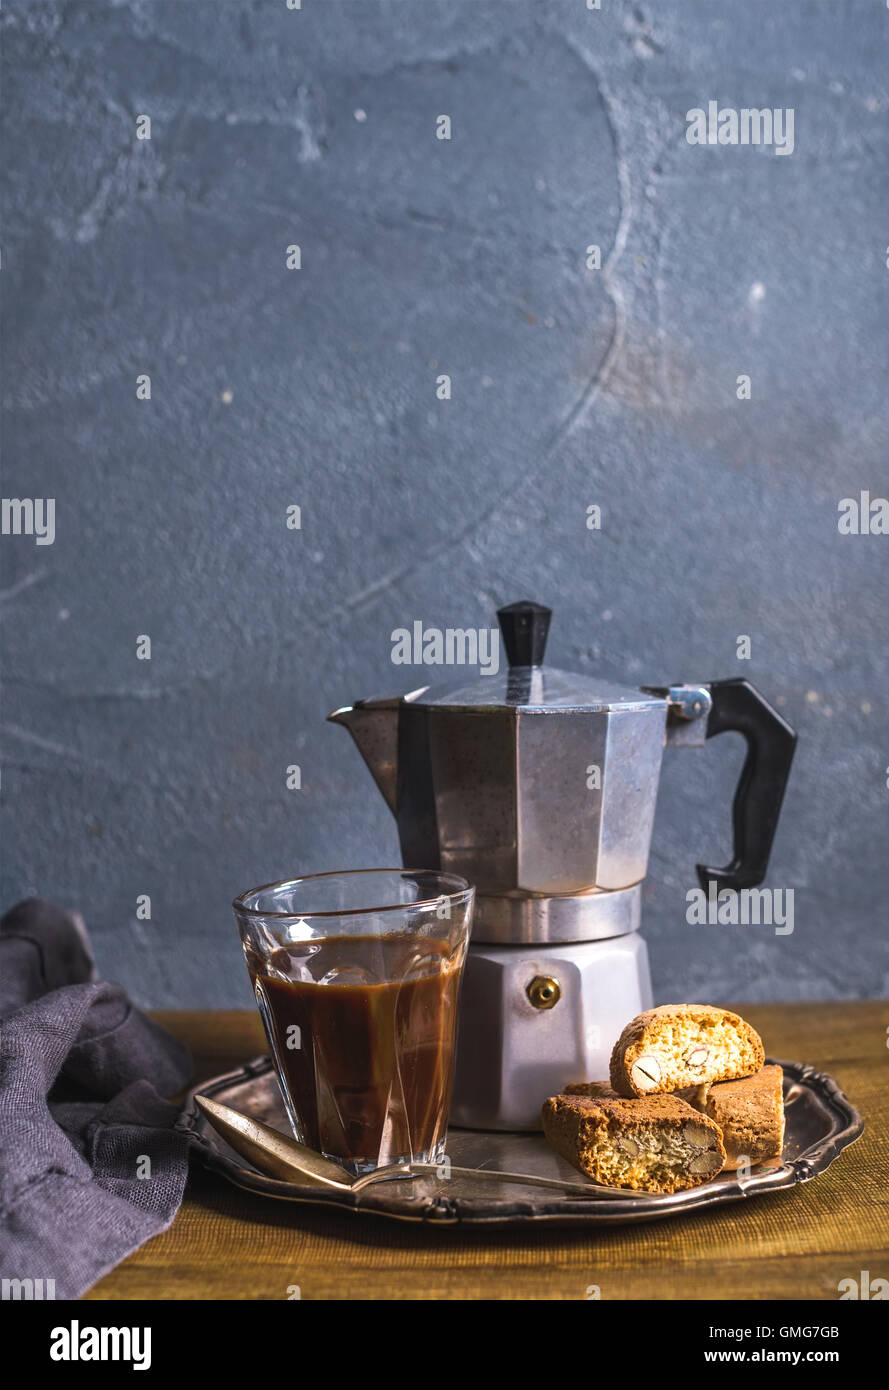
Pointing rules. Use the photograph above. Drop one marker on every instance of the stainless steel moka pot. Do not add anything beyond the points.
(539, 786)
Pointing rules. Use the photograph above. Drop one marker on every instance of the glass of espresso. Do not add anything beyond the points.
(357, 976)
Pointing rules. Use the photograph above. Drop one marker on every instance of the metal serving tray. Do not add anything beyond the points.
(821, 1122)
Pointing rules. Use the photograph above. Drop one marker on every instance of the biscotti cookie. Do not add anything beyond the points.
(679, 1045)
(750, 1114)
(599, 1090)
(659, 1144)
(693, 1095)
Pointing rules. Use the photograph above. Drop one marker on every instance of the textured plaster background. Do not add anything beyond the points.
(273, 387)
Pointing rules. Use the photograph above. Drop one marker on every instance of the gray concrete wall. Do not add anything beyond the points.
(570, 388)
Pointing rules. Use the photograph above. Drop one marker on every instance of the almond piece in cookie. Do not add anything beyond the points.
(681, 1045)
(750, 1114)
(658, 1144)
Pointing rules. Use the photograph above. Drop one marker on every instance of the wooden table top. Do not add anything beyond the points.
(229, 1244)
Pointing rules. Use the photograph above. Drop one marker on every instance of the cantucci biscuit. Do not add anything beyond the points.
(693, 1095)
(659, 1144)
(599, 1090)
(750, 1114)
(679, 1045)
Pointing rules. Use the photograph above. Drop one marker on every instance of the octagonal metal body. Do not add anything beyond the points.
(532, 801)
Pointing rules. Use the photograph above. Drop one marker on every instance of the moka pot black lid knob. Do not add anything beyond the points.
(525, 628)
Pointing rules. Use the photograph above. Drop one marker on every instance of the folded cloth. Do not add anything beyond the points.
(90, 1166)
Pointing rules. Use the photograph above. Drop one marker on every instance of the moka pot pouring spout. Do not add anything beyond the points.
(373, 725)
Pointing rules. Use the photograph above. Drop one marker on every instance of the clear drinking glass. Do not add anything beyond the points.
(357, 977)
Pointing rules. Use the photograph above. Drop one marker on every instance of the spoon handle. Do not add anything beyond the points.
(404, 1170)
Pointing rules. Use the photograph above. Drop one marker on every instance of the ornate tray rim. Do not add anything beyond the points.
(549, 1208)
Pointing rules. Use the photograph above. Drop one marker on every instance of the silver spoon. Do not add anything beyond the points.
(282, 1157)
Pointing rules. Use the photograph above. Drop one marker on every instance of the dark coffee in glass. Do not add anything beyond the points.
(360, 1008)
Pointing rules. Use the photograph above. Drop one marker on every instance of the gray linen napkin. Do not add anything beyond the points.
(90, 1166)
